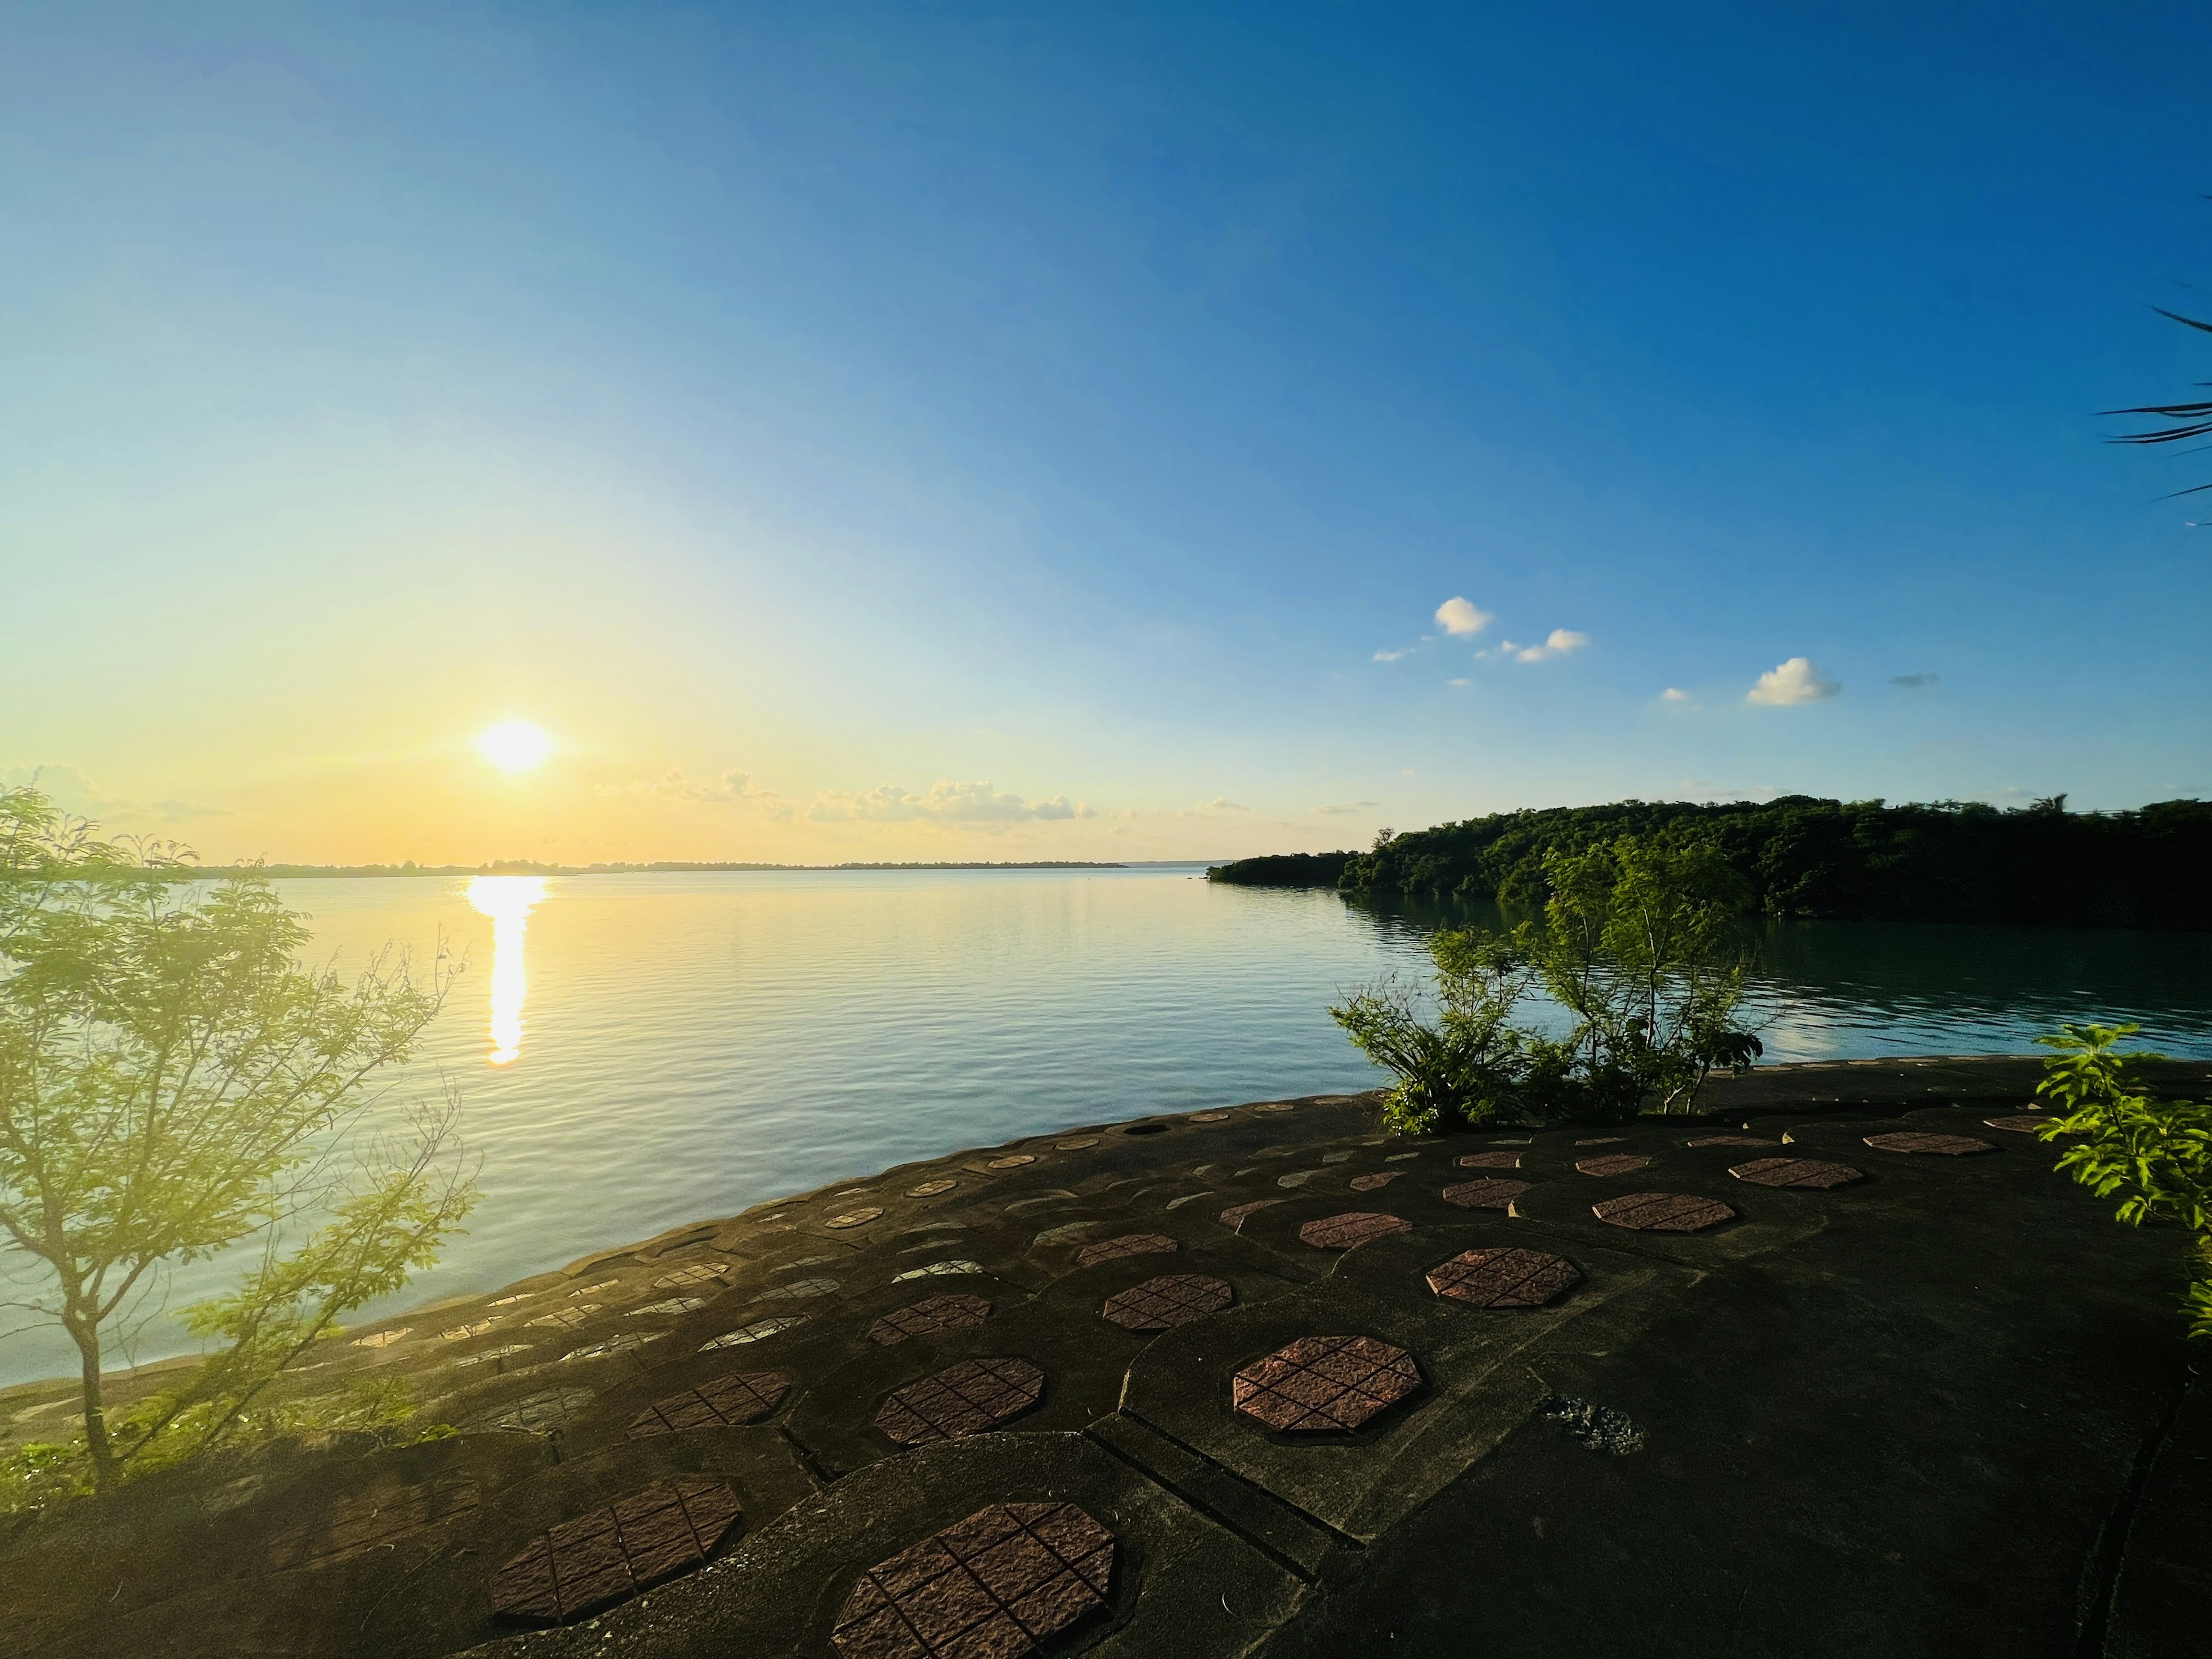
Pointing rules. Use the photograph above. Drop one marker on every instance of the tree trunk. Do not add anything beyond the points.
(104, 1465)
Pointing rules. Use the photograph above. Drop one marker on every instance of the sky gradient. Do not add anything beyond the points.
(962, 432)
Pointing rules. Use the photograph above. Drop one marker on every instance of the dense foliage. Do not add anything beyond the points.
(2156, 1153)
(174, 1084)
(1800, 856)
(1640, 944)
(1283, 870)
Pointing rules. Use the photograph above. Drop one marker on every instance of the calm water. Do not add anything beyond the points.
(635, 1052)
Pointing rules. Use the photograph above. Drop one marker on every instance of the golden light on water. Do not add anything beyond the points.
(508, 901)
(514, 745)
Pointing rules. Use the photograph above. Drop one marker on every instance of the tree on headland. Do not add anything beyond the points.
(174, 1083)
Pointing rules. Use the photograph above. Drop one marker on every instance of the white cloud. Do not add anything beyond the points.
(1557, 643)
(1674, 694)
(1221, 803)
(78, 795)
(945, 803)
(1459, 682)
(1348, 806)
(1462, 618)
(1393, 656)
(1791, 682)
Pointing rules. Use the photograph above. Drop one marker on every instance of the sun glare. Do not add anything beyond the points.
(514, 746)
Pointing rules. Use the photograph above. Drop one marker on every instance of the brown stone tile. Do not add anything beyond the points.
(1489, 1161)
(1320, 1384)
(1484, 1195)
(704, 1272)
(2023, 1123)
(1941, 1145)
(1233, 1217)
(1113, 1249)
(931, 1188)
(853, 1218)
(1602, 1140)
(1081, 1143)
(1731, 1140)
(1162, 1304)
(738, 1398)
(585, 1566)
(994, 1586)
(960, 1400)
(1617, 1164)
(1504, 1279)
(1012, 1161)
(936, 1313)
(1663, 1213)
(1796, 1172)
(1351, 1229)
(372, 1520)
(1369, 1183)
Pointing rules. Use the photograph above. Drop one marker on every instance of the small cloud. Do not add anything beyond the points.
(1557, 643)
(1462, 618)
(1221, 803)
(1348, 806)
(1791, 683)
(1674, 694)
(1459, 682)
(1393, 656)
(945, 802)
(672, 784)
(1916, 681)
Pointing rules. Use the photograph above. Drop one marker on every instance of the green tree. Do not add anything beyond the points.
(174, 1083)
(2156, 1154)
(1467, 1068)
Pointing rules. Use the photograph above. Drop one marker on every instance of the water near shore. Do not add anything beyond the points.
(639, 1051)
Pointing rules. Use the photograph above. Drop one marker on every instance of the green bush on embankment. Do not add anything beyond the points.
(1802, 856)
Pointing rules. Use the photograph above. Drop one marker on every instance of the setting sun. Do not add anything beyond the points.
(514, 746)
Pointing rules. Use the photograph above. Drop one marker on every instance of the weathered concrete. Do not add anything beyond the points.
(1937, 1410)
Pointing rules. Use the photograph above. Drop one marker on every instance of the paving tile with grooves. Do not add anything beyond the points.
(2025, 1123)
(1172, 1299)
(759, 1331)
(1731, 1140)
(544, 1413)
(1322, 1384)
(1351, 1229)
(1081, 1143)
(1209, 1117)
(1663, 1213)
(1484, 1195)
(1602, 1140)
(1796, 1172)
(1941, 1145)
(1489, 1161)
(799, 1290)
(853, 1218)
(626, 1342)
(738, 1398)
(957, 1265)
(1618, 1163)
(926, 1317)
(585, 1566)
(698, 1275)
(931, 1188)
(960, 1400)
(373, 1521)
(567, 1318)
(992, 1586)
(1113, 1249)
(1012, 1161)
(1504, 1278)
(1369, 1183)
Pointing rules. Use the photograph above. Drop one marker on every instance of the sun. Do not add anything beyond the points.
(514, 746)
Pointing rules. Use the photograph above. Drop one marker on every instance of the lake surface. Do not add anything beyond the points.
(637, 1051)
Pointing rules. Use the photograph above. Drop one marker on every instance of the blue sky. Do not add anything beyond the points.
(875, 403)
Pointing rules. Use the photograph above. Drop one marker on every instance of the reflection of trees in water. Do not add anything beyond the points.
(1916, 987)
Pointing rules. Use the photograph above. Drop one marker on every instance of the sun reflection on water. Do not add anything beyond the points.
(508, 901)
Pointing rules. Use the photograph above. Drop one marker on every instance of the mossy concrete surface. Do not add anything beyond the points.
(1940, 1409)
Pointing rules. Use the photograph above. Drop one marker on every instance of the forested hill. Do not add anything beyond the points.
(1950, 861)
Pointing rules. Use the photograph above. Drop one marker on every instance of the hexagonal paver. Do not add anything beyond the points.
(371, 1520)
(385, 1338)
(675, 1307)
(1504, 1279)
(505, 1351)
(1353, 1228)
(706, 1271)
(739, 1398)
(994, 1586)
(2024, 1123)
(622, 1342)
(566, 1318)
(1796, 1172)
(1272, 1106)
(759, 1331)
(546, 1412)
(474, 1327)
(936, 1313)
(1209, 1117)
(799, 1290)
(1489, 1161)
(1484, 1195)
(1617, 1164)
(931, 1188)
(598, 1560)
(1172, 1299)
(1731, 1140)
(1663, 1213)
(1113, 1249)
(1079, 1144)
(1602, 1140)
(1233, 1217)
(956, 1266)
(853, 1218)
(1941, 1145)
(1013, 1160)
(1369, 1183)
(1320, 1385)
(960, 1400)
